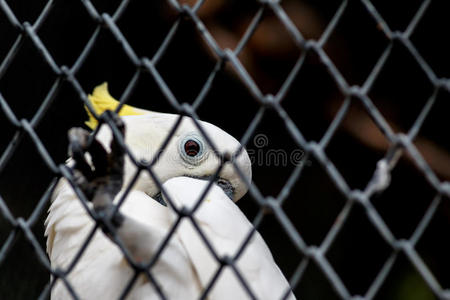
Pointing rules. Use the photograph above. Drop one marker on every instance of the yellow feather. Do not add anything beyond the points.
(101, 100)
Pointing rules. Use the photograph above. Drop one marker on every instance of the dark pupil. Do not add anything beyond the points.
(192, 148)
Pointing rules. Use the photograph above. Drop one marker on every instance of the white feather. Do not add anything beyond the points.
(226, 228)
(185, 266)
(102, 273)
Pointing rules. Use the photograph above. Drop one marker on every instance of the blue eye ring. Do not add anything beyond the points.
(192, 149)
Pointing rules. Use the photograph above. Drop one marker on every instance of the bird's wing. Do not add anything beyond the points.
(101, 272)
(226, 228)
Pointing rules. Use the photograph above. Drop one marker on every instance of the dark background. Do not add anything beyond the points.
(400, 92)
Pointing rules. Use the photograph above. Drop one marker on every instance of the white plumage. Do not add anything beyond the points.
(186, 265)
(226, 228)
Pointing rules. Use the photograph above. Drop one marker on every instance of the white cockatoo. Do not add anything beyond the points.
(186, 266)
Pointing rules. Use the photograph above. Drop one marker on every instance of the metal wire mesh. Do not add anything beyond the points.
(399, 143)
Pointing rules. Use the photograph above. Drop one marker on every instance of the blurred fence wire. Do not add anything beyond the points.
(399, 143)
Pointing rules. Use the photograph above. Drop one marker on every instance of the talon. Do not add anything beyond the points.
(78, 140)
(78, 143)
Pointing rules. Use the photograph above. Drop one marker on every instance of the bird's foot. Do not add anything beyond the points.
(99, 174)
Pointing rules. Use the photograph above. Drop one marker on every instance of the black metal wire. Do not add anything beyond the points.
(399, 142)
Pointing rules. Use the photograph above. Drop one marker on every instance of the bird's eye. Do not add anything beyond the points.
(191, 148)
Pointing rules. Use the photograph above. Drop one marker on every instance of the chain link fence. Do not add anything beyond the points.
(229, 60)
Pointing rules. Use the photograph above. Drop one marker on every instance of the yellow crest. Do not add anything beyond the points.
(101, 100)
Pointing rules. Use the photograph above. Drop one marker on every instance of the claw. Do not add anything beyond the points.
(78, 142)
(78, 139)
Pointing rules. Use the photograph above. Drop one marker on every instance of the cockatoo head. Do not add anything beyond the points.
(188, 153)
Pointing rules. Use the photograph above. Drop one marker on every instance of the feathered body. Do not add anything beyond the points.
(186, 266)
